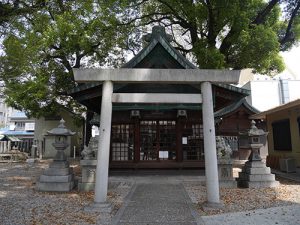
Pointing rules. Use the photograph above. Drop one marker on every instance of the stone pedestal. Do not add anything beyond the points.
(225, 173)
(88, 175)
(57, 178)
(256, 174)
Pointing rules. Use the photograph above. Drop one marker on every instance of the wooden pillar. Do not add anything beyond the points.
(179, 131)
(88, 127)
(137, 142)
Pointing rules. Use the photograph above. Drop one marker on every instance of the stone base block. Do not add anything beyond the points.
(255, 164)
(258, 170)
(257, 184)
(228, 183)
(255, 174)
(212, 205)
(58, 171)
(104, 207)
(88, 162)
(31, 160)
(88, 171)
(59, 164)
(86, 186)
(55, 186)
(256, 177)
(56, 179)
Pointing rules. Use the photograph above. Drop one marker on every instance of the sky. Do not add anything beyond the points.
(292, 61)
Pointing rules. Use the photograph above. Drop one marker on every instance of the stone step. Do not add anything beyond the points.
(255, 164)
(59, 164)
(55, 186)
(58, 171)
(258, 170)
(256, 177)
(260, 177)
(58, 179)
(257, 184)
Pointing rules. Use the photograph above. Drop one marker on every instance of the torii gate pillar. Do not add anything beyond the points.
(211, 164)
(104, 143)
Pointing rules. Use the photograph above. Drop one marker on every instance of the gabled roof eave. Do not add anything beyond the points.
(234, 106)
(167, 46)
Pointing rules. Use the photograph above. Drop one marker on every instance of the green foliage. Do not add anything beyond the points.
(257, 48)
(42, 41)
(208, 57)
(233, 34)
(42, 47)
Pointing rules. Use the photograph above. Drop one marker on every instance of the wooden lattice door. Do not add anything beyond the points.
(158, 140)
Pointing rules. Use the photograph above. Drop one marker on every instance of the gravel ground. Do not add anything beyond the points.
(237, 199)
(21, 204)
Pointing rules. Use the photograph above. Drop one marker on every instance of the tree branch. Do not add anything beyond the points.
(262, 16)
(184, 23)
(143, 17)
(289, 36)
(259, 19)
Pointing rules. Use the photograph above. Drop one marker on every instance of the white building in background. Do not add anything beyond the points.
(269, 92)
(5, 113)
(18, 121)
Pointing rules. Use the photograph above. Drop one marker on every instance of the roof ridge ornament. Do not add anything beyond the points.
(157, 32)
(62, 123)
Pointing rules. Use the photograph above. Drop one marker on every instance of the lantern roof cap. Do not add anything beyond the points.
(61, 130)
(254, 131)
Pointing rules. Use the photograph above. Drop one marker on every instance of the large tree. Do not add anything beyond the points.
(233, 34)
(45, 40)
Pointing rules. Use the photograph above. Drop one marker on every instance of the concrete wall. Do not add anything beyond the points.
(292, 114)
(294, 89)
(266, 92)
(40, 134)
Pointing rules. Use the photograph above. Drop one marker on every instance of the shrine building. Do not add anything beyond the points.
(165, 128)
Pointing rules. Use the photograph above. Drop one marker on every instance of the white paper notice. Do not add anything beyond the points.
(163, 154)
(184, 140)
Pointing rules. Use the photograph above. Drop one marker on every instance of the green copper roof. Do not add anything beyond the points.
(234, 106)
(243, 91)
(159, 37)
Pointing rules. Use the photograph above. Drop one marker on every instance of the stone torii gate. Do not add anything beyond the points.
(171, 76)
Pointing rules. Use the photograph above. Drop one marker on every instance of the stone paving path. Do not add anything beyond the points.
(157, 203)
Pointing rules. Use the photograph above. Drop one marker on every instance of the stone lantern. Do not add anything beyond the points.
(59, 176)
(61, 133)
(256, 138)
(255, 173)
